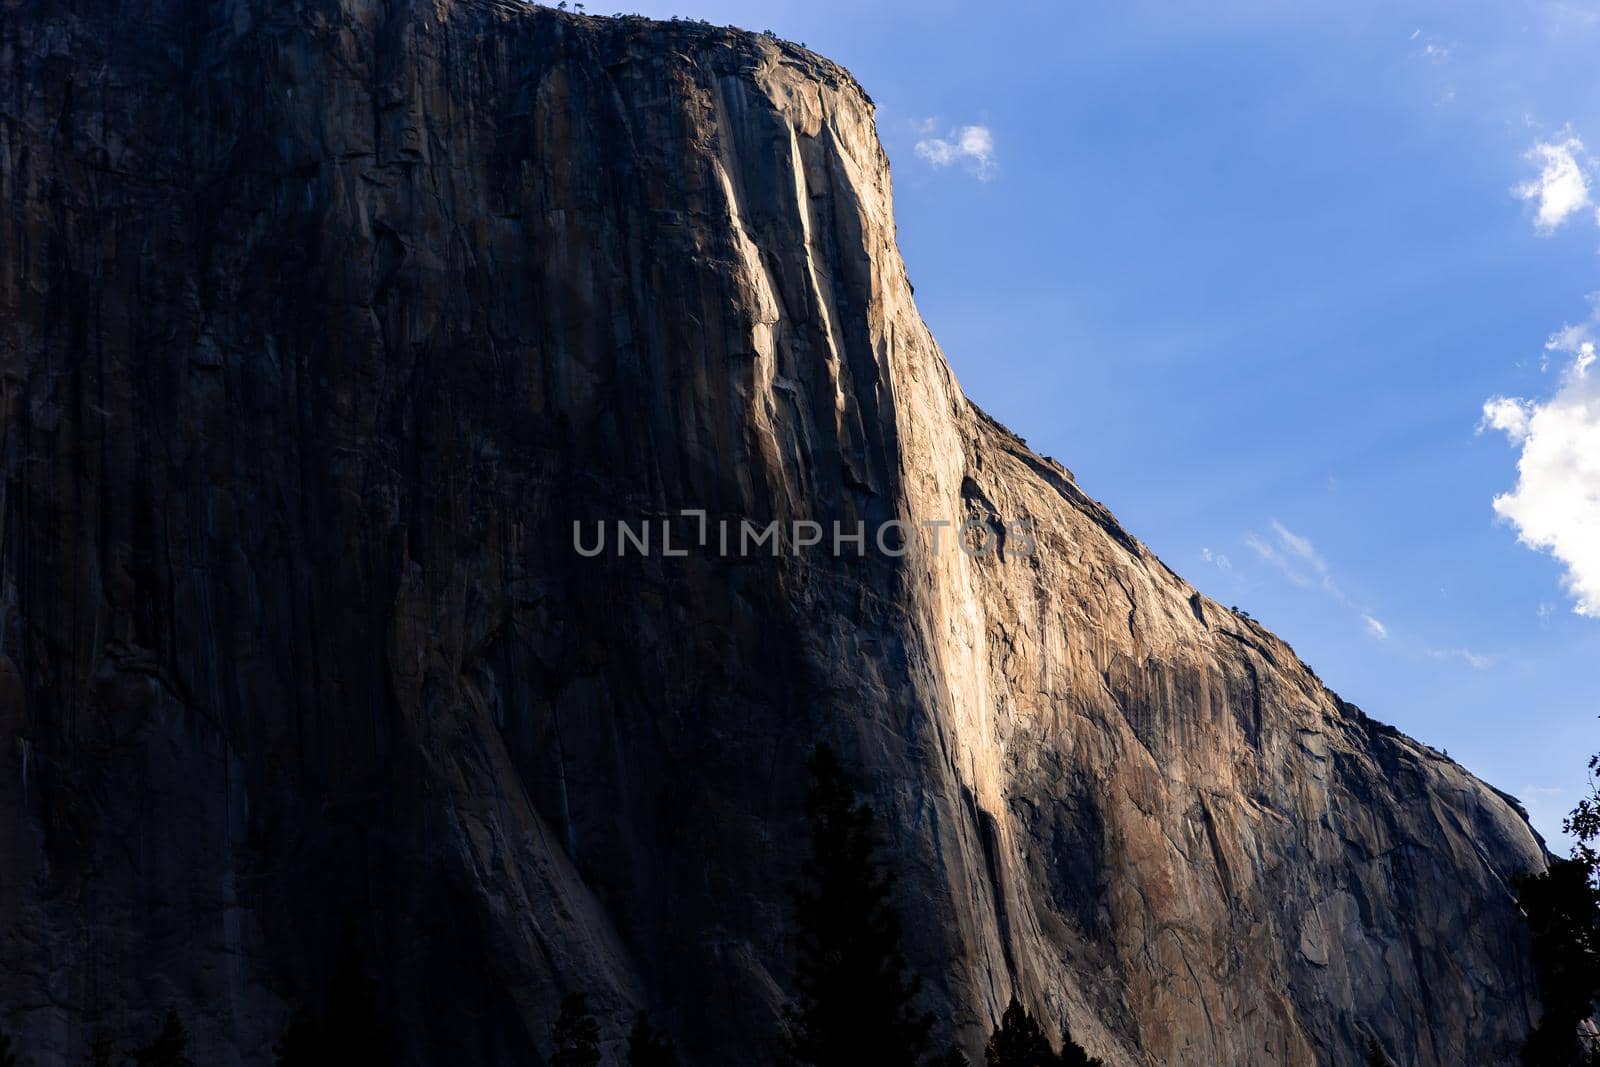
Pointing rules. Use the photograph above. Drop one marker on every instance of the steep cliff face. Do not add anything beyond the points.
(322, 322)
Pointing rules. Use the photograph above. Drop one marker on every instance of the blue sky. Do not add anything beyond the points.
(1253, 273)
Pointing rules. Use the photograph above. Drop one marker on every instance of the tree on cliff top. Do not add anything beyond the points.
(576, 1035)
(855, 993)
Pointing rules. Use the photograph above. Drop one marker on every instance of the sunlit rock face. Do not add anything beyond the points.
(322, 323)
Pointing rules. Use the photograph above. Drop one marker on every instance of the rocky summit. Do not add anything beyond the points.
(334, 334)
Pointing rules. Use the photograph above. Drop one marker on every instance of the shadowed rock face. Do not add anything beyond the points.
(320, 325)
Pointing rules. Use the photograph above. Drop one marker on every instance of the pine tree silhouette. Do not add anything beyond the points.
(1375, 1055)
(1562, 908)
(855, 995)
(1018, 1041)
(350, 1031)
(170, 1048)
(576, 1035)
(1073, 1054)
(646, 1046)
(301, 1044)
(953, 1057)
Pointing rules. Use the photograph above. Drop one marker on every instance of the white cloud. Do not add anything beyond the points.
(1475, 660)
(1300, 561)
(1555, 506)
(972, 146)
(1298, 545)
(1509, 414)
(1303, 565)
(1297, 558)
(1562, 187)
(1217, 559)
(1270, 553)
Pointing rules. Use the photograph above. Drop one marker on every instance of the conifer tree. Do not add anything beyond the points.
(301, 1044)
(647, 1047)
(170, 1048)
(1018, 1041)
(952, 1057)
(576, 1035)
(1375, 1056)
(1562, 909)
(855, 993)
(350, 1031)
(353, 1029)
(1073, 1054)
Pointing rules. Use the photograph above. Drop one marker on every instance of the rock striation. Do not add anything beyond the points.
(321, 324)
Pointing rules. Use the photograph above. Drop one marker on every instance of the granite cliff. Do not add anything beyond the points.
(323, 321)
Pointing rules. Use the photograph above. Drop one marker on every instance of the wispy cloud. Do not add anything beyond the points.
(1437, 55)
(1429, 47)
(1216, 559)
(1477, 661)
(1565, 16)
(1300, 546)
(1562, 187)
(970, 146)
(1555, 506)
(1300, 561)
(1296, 557)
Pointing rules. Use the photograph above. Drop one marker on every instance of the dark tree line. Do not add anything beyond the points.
(169, 1048)
(855, 992)
(350, 1029)
(1019, 1041)
(1562, 909)
(576, 1037)
(856, 995)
